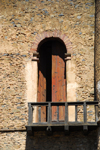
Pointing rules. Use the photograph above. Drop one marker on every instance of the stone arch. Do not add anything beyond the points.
(34, 67)
(55, 34)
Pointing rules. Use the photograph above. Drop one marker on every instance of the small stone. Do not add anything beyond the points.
(89, 4)
(5, 54)
(80, 33)
(32, 19)
(83, 59)
(19, 107)
(13, 22)
(18, 97)
(78, 17)
(23, 55)
(90, 111)
(17, 54)
(46, 11)
(76, 6)
(74, 54)
(91, 15)
(15, 25)
(18, 25)
(61, 15)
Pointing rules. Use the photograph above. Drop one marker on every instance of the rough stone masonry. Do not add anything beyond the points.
(21, 21)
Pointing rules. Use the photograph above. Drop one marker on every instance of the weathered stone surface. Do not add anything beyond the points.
(22, 23)
(97, 50)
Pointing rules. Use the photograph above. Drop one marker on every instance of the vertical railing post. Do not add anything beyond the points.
(30, 114)
(85, 127)
(57, 113)
(39, 114)
(96, 113)
(66, 119)
(66, 113)
(75, 113)
(49, 113)
(85, 113)
(49, 129)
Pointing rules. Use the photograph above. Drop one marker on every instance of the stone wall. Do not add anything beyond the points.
(20, 23)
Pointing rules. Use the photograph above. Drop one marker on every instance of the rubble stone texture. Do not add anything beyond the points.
(21, 21)
(97, 50)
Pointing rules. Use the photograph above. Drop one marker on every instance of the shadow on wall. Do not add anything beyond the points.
(58, 141)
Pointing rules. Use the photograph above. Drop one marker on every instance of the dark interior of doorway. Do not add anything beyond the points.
(45, 66)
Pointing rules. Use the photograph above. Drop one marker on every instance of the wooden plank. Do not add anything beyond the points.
(49, 73)
(58, 78)
(62, 80)
(54, 82)
(42, 83)
(39, 88)
(43, 96)
(62, 108)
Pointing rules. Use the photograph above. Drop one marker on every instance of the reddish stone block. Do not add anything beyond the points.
(42, 36)
(65, 39)
(58, 33)
(55, 33)
(48, 34)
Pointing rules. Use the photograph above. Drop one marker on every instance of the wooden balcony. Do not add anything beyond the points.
(66, 125)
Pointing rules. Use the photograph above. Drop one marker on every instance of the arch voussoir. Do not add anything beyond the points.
(55, 34)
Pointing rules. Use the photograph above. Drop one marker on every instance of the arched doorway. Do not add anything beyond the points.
(52, 76)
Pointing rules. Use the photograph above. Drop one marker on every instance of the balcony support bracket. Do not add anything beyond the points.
(49, 130)
(85, 130)
(29, 131)
(66, 128)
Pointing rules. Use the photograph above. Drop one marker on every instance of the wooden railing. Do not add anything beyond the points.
(65, 123)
